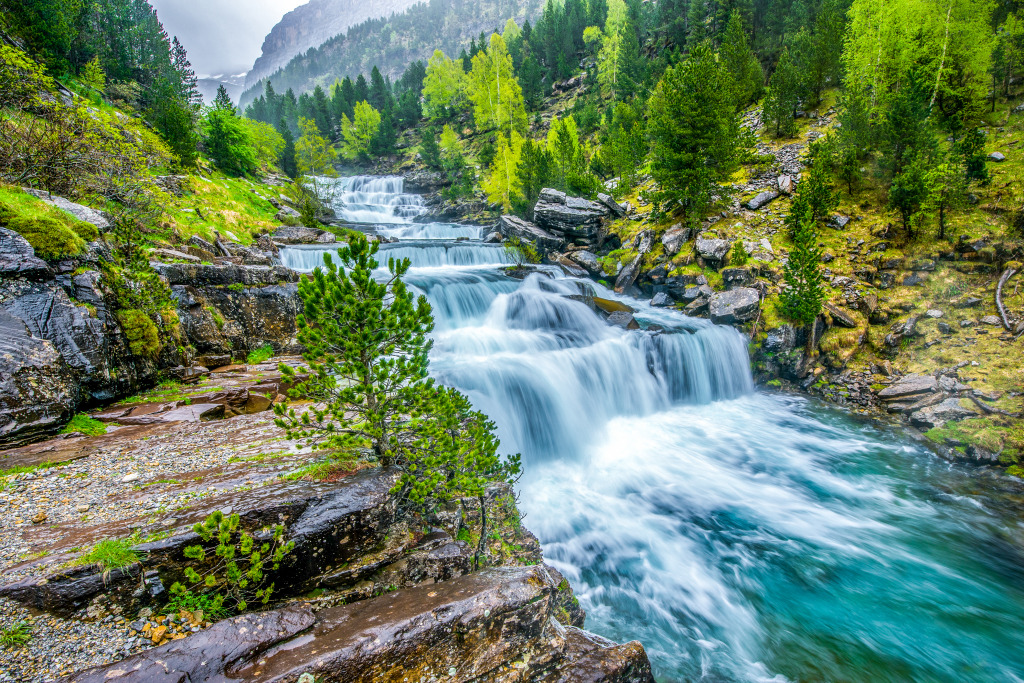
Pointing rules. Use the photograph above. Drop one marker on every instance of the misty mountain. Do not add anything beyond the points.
(312, 24)
(393, 43)
(235, 85)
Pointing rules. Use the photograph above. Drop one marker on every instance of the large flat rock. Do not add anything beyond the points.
(911, 385)
(512, 226)
(738, 305)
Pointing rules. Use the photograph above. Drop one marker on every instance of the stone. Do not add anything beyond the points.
(969, 302)
(18, 258)
(82, 213)
(661, 299)
(628, 274)
(644, 242)
(933, 313)
(840, 221)
(493, 237)
(945, 328)
(82, 509)
(991, 320)
(228, 274)
(762, 200)
(781, 339)
(841, 317)
(786, 184)
(913, 280)
(674, 239)
(586, 260)
(941, 413)
(173, 255)
(552, 196)
(910, 385)
(735, 306)
(129, 478)
(513, 226)
(712, 249)
(214, 361)
(624, 320)
(571, 217)
(737, 277)
(695, 292)
(285, 213)
(617, 209)
(997, 157)
(287, 234)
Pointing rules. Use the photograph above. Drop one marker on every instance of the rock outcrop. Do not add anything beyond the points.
(572, 219)
(544, 241)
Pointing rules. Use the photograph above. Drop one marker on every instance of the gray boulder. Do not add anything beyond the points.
(617, 209)
(737, 277)
(628, 274)
(570, 217)
(228, 274)
(735, 306)
(713, 249)
(623, 319)
(938, 415)
(911, 385)
(781, 339)
(674, 239)
(644, 242)
(82, 213)
(661, 299)
(18, 259)
(997, 157)
(587, 260)
(513, 226)
(762, 200)
(302, 235)
(287, 212)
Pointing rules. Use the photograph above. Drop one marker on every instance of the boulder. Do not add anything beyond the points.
(227, 274)
(82, 213)
(644, 242)
(762, 200)
(214, 361)
(674, 239)
(735, 306)
(713, 250)
(219, 320)
(513, 226)
(997, 157)
(18, 258)
(910, 385)
(991, 320)
(574, 218)
(737, 277)
(587, 260)
(786, 184)
(781, 339)
(173, 255)
(285, 213)
(695, 292)
(623, 319)
(841, 317)
(941, 413)
(37, 391)
(617, 209)
(628, 274)
(661, 299)
(933, 313)
(302, 235)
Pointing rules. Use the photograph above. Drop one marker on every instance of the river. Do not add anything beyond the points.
(740, 535)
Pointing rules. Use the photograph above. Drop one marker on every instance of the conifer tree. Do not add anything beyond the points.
(740, 62)
(287, 159)
(782, 98)
(223, 99)
(430, 150)
(532, 175)
(694, 132)
(804, 296)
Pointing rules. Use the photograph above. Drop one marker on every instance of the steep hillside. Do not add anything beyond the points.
(392, 44)
(311, 25)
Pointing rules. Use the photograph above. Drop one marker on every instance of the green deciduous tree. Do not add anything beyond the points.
(500, 182)
(494, 90)
(694, 133)
(226, 138)
(313, 152)
(357, 135)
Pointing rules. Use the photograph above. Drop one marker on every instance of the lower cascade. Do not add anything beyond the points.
(738, 535)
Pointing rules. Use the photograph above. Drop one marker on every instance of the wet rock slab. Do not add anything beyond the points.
(496, 625)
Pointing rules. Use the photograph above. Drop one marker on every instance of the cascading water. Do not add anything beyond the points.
(740, 536)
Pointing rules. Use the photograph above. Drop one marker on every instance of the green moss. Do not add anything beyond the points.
(84, 424)
(218, 319)
(111, 554)
(260, 355)
(142, 333)
(50, 238)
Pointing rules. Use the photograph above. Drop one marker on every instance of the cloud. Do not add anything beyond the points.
(222, 36)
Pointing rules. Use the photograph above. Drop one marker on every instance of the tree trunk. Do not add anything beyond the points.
(481, 544)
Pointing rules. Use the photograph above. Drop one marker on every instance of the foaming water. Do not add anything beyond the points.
(740, 536)
(427, 254)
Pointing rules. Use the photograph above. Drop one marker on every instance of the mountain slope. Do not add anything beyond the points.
(392, 44)
(311, 25)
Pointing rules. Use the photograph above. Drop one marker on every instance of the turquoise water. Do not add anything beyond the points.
(739, 535)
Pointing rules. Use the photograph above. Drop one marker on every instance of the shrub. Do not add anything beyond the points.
(260, 355)
(520, 252)
(50, 238)
(111, 554)
(739, 255)
(232, 564)
(143, 335)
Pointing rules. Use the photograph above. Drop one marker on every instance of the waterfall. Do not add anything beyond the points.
(740, 535)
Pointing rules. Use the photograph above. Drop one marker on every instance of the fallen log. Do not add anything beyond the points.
(1007, 274)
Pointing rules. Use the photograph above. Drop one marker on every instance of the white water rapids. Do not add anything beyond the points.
(739, 535)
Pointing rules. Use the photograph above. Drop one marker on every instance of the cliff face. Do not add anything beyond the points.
(313, 23)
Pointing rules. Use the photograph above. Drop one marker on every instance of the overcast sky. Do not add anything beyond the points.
(222, 36)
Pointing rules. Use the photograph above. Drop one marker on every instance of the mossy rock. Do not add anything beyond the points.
(143, 335)
(51, 239)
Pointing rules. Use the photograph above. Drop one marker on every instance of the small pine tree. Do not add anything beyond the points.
(223, 99)
(287, 157)
(804, 296)
(430, 150)
(817, 190)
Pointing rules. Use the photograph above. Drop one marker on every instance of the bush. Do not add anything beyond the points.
(143, 335)
(520, 252)
(111, 554)
(50, 238)
(233, 568)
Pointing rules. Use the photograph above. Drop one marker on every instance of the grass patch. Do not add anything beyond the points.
(111, 554)
(260, 355)
(84, 424)
(16, 635)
